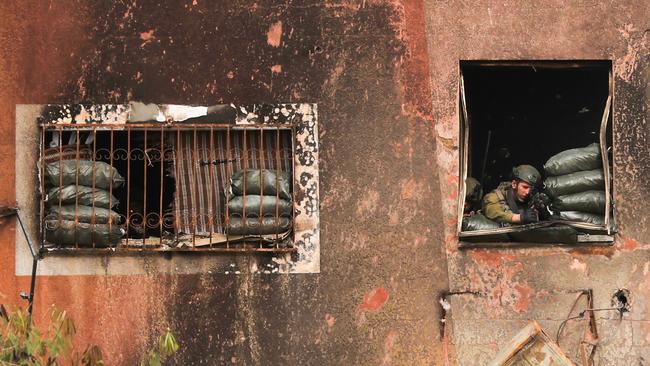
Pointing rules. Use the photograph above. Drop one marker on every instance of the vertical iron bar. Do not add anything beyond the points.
(278, 169)
(128, 183)
(162, 159)
(92, 220)
(292, 178)
(60, 175)
(262, 166)
(195, 188)
(177, 210)
(110, 190)
(42, 184)
(76, 198)
(228, 166)
(245, 163)
(212, 186)
(144, 195)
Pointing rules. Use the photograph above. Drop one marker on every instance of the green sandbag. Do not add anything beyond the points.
(268, 183)
(236, 205)
(582, 217)
(84, 214)
(85, 197)
(102, 175)
(269, 225)
(574, 160)
(575, 182)
(553, 234)
(66, 233)
(589, 201)
(478, 222)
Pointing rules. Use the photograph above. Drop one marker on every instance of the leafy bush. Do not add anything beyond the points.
(24, 344)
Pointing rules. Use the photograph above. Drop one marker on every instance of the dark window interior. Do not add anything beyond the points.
(530, 113)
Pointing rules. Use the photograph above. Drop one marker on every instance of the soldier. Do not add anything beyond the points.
(473, 194)
(509, 201)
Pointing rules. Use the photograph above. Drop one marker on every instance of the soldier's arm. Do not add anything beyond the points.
(495, 210)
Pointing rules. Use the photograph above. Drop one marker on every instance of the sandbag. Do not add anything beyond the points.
(268, 225)
(552, 234)
(478, 222)
(268, 203)
(575, 182)
(588, 201)
(81, 195)
(574, 160)
(84, 214)
(102, 176)
(268, 183)
(583, 217)
(67, 233)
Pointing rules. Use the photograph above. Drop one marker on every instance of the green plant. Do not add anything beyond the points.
(166, 347)
(24, 344)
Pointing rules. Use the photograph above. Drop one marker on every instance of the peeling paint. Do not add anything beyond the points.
(274, 35)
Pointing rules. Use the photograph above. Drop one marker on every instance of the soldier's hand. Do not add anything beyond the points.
(528, 216)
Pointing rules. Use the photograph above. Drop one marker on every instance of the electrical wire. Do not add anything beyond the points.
(581, 315)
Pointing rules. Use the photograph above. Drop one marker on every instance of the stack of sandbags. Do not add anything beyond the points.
(576, 183)
(80, 205)
(478, 222)
(260, 205)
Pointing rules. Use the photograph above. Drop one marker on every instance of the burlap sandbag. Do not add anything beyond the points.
(575, 182)
(103, 174)
(478, 222)
(574, 160)
(86, 214)
(80, 195)
(67, 233)
(583, 217)
(589, 201)
(268, 225)
(270, 178)
(253, 202)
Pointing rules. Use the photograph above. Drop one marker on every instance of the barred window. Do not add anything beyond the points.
(166, 186)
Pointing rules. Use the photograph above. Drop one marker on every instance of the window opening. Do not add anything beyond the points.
(514, 113)
(176, 186)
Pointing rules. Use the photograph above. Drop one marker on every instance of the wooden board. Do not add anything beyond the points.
(531, 347)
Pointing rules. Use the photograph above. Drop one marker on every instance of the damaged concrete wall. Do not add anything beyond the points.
(364, 63)
(388, 115)
(542, 283)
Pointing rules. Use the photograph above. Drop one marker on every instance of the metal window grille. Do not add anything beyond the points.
(167, 187)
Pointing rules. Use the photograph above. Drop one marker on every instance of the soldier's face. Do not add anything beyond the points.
(522, 190)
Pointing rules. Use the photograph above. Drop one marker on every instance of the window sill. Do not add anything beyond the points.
(597, 236)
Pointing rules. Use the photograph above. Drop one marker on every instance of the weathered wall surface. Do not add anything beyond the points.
(516, 285)
(387, 96)
(364, 63)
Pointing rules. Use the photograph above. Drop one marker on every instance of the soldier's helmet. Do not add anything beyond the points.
(473, 189)
(527, 173)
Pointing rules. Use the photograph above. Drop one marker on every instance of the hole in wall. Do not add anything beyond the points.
(621, 300)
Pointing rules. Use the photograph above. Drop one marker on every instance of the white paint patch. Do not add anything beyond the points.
(576, 265)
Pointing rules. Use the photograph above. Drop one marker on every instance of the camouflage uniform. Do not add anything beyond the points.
(500, 204)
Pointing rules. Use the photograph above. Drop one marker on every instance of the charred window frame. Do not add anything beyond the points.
(157, 146)
(597, 234)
